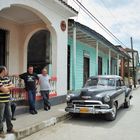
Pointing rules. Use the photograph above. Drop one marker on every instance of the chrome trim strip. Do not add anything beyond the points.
(87, 101)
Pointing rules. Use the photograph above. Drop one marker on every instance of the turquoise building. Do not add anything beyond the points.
(89, 54)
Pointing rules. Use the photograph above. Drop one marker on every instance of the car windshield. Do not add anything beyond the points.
(100, 81)
(91, 82)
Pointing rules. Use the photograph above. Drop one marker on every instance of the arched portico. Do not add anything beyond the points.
(22, 19)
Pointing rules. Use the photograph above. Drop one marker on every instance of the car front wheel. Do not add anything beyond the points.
(112, 115)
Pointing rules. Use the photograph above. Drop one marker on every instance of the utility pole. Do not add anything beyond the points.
(133, 62)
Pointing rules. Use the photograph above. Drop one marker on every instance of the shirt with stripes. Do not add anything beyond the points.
(4, 97)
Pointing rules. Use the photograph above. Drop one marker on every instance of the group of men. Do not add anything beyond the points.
(31, 81)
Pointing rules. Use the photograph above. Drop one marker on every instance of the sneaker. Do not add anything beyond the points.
(13, 118)
(32, 112)
(11, 131)
(2, 135)
(35, 112)
(49, 107)
(46, 109)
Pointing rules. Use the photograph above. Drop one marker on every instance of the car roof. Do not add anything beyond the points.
(106, 76)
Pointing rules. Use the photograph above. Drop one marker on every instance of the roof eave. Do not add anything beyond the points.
(72, 11)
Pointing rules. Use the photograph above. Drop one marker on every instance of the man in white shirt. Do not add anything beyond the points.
(44, 81)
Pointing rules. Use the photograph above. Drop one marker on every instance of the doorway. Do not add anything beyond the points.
(99, 65)
(3, 47)
(39, 51)
(86, 69)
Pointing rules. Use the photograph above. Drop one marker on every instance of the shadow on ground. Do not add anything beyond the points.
(97, 120)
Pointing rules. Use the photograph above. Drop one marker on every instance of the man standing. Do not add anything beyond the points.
(44, 81)
(31, 80)
(5, 87)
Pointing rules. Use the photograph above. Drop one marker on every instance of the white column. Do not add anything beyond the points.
(118, 64)
(97, 53)
(109, 62)
(74, 58)
(59, 59)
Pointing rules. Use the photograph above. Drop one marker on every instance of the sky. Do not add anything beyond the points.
(121, 17)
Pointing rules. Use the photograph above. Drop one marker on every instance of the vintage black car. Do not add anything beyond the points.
(103, 94)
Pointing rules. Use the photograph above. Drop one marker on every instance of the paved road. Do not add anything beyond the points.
(125, 127)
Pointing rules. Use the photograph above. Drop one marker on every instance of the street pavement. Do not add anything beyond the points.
(125, 127)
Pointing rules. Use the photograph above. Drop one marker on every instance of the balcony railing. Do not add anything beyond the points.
(19, 92)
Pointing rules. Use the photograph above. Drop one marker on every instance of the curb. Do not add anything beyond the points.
(37, 127)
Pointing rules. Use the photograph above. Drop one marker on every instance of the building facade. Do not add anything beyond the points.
(35, 32)
(90, 54)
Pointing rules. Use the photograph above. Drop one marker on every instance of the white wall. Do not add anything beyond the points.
(19, 37)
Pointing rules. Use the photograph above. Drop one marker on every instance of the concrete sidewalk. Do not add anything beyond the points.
(27, 124)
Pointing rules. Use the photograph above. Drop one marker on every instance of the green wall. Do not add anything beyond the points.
(91, 51)
(80, 49)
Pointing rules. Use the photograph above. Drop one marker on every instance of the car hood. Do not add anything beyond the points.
(95, 92)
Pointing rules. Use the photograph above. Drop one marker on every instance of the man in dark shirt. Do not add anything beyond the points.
(30, 79)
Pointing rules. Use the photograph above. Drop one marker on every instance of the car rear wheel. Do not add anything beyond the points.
(112, 116)
(127, 104)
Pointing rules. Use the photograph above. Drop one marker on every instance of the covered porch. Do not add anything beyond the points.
(33, 33)
(107, 57)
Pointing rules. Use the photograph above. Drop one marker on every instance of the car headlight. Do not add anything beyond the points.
(107, 98)
(68, 98)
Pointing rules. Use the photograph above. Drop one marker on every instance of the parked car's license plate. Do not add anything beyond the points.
(84, 110)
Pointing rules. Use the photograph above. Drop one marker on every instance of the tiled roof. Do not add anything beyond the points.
(67, 5)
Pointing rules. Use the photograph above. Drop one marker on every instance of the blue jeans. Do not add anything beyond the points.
(5, 113)
(31, 99)
(45, 95)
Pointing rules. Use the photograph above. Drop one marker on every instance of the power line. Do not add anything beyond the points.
(97, 21)
(110, 12)
(78, 11)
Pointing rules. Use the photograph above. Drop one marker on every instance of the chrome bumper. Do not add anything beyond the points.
(90, 109)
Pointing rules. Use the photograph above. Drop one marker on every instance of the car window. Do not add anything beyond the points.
(91, 82)
(106, 82)
(100, 82)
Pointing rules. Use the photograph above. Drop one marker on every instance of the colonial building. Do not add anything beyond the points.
(89, 54)
(35, 32)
